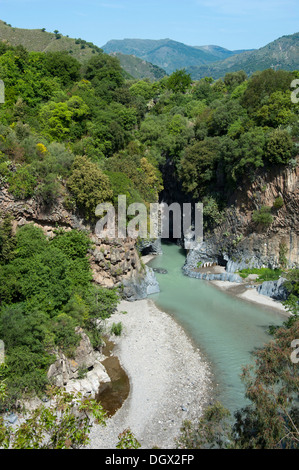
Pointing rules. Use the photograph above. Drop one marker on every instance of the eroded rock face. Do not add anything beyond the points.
(64, 372)
(274, 289)
(114, 262)
(240, 243)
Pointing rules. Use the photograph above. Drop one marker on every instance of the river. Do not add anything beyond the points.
(225, 328)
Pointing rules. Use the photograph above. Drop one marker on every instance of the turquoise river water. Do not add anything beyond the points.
(224, 328)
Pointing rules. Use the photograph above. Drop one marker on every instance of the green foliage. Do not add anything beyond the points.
(279, 147)
(292, 286)
(122, 185)
(74, 243)
(211, 212)
(65, 423)
(127, 440)
(116, 329)
(46, 292)
(212, 431)
(263, 216)
(179, 81)
(49, 190)
(271, 422)
(278, 203)
(22, 183)
(264, 274)
(197, 168)
(144, 89)
(234, 79)
(7, 241)
(262, 85)
(65, 336)
(89, 186)
(144, 175)
(63, 66)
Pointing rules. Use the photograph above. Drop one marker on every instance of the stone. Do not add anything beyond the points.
(64, 371)
(160, 270)
(274, 289)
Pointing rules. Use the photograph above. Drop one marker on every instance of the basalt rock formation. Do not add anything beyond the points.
(239, 242)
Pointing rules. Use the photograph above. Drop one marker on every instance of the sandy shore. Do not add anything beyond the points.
(250, 295)
(170, 380)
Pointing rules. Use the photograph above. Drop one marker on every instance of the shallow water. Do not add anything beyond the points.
(226, 329)
(112, 395)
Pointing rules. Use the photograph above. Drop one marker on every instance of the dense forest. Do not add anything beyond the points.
(85, 133)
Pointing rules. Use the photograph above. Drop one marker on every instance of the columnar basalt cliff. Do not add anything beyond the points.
(240, 242)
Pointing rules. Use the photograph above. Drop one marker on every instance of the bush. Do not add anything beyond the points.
(22, 183)
(265, 274)
(278, 203)
(116, 329)
(263, 216)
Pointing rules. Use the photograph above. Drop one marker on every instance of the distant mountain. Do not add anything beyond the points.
(139, 68)
(283, 53)
(168, 54)
(42, 41)
(221, 53)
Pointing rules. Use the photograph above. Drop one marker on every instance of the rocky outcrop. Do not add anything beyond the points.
(239, 242)
(114, 262)
(274, 289)
(65, 372)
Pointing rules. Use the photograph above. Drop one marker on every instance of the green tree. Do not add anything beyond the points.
(7, 239)
(212, 431)
(279, 147)
(89, 186)
(272, 421)
(198, 165)
(179, 81)
(63, 66)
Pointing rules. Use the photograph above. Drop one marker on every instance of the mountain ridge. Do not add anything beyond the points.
(167, 53)
(282, 53)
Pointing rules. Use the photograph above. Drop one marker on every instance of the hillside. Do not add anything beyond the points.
(220, 53)
(166, 53)
(139, 68)
(283, 53)
(42, 41)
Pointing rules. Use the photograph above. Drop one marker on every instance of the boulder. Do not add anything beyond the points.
(64, 371)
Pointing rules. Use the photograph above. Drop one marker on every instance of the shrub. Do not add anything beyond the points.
(278, 203)
(49, 190)
(263, 216)
(22, 183)
(116, 329)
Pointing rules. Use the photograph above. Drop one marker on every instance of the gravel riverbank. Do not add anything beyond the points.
(250, 295)
(170, 381)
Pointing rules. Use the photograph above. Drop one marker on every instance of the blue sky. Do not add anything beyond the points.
(234, 24)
